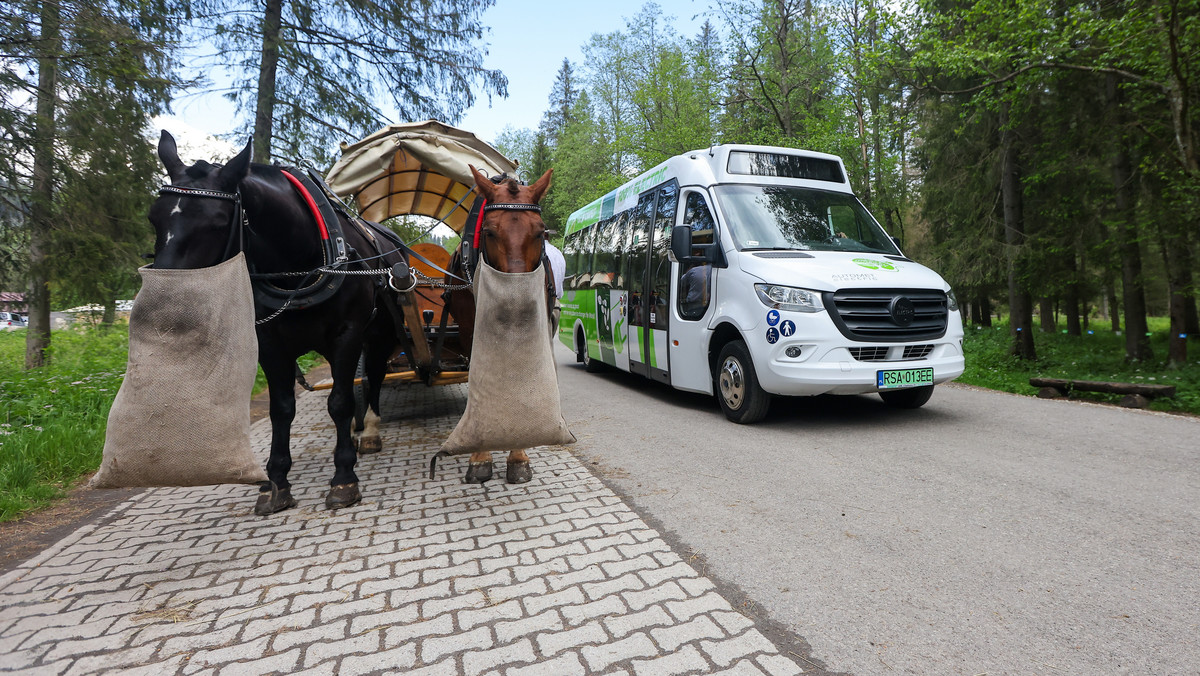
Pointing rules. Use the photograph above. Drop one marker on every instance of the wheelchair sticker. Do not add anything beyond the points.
(772, 335)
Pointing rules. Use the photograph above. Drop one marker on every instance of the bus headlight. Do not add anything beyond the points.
(951, 301)
(789, 298)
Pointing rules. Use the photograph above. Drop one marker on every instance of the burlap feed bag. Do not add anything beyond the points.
(182, 415)
(512, 392)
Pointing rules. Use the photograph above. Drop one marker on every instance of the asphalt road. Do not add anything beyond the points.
(984, 533)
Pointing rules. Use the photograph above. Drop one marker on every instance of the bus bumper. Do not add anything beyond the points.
(836, 370)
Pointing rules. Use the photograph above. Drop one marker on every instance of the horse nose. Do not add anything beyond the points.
(518, 264)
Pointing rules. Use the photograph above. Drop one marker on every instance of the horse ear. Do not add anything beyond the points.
(169, 154)
(483, 185)
(238, 168)
(540, 187)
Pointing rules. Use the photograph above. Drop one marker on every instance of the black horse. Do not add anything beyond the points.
(208, 214)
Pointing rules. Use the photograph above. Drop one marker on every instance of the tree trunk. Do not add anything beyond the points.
(985, 309)
(1019, 302)
(264, 111)
(1190, 319)
(1071, 310)
(1137, 344)
(37, 337)
(1048, 323)
(1113, 313)
(1179, 283)
(1071, 297)
(110, 314)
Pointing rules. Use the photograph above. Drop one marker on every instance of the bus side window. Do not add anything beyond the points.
(695, 279)
(587, 246)
(570, 249)
(668, 200)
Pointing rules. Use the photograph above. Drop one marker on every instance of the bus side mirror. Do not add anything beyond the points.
(681, 242)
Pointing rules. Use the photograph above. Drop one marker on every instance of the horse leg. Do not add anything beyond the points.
(343, 491)
(517, 470)
(462, 309)
(277, 494)
(377, 353)
(479, 468)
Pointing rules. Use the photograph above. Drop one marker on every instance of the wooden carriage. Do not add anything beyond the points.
(420, 169)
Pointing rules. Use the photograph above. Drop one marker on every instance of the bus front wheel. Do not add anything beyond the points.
(742, 399)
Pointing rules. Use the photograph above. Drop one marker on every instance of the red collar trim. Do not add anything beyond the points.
(312, 204)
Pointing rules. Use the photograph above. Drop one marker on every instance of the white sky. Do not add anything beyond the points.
(528, 41)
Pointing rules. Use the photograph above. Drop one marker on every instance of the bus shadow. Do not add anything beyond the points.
(826, 411)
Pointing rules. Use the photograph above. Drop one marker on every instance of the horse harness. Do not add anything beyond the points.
(473, 253)
(335, 253)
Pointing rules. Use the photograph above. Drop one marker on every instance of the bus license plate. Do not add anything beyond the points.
(890, 380)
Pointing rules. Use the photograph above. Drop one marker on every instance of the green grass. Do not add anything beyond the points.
(1096, 356)
(53, 420)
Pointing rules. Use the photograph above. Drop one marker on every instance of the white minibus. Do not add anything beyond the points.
(750, 271)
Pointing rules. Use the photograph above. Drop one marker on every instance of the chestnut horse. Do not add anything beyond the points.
(511, 238)
(207, 215)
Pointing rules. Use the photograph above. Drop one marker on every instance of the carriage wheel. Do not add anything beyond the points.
(360, 393)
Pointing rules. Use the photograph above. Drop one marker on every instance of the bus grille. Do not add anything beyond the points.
(879, 315)
(869, 353)
(880, 353)
(917, 351)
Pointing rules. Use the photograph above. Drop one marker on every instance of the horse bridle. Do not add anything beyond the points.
(482, 254)
(237, 229)
(545, 257)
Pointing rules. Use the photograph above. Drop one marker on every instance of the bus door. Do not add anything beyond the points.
(696, 287)
(650, 286)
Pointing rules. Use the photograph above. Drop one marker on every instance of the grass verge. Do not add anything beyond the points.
(53, 420)
(1096, 355)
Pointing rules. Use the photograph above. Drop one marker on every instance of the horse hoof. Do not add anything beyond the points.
(478, 472)
(518, 472)
(274, 500)
(369, 445)
(343, 495)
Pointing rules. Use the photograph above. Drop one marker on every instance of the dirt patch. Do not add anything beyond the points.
(27, 537)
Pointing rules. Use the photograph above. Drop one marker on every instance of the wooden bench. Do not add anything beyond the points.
(1136, 395)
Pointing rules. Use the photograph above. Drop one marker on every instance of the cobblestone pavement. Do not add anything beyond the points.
(555, 577)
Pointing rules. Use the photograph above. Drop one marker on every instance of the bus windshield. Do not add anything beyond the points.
(788, 217)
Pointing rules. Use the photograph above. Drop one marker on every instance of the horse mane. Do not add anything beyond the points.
(201, 169)
(512, 185)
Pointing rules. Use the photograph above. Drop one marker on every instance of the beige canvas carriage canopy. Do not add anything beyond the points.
(418, 168)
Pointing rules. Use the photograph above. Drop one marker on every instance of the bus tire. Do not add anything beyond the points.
(742, 399)
(581, 355)
(913, 397)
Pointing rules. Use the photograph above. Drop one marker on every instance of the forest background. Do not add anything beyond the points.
(1040, 154)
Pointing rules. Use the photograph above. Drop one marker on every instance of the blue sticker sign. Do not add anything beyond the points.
(772, 335)
(787, 328)
(773, 317)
